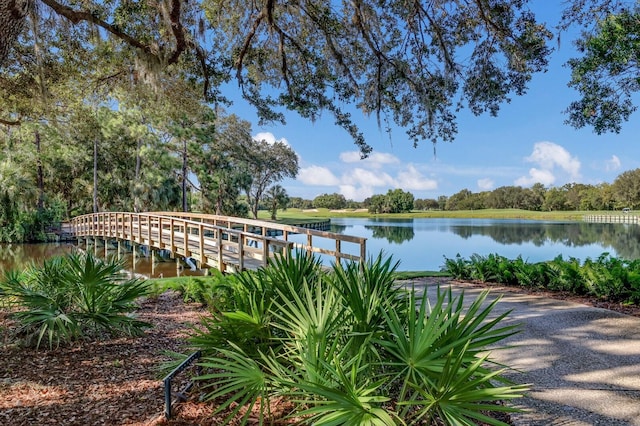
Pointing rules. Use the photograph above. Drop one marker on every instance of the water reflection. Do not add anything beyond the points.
(420, 244)
(622, 238)
(393, 234)
(18, 256)
(423, 243)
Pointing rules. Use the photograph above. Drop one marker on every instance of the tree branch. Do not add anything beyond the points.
(77, 16)
(10, 122)
(247, 43)
(178, 31)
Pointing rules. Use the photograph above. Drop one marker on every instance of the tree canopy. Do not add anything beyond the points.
(413, 63)
(606, 75)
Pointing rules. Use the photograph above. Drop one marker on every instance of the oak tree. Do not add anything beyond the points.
(412, 63)
(606, 75)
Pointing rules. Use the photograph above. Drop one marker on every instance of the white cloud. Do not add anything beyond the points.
(317, 176)
(350, 157)
(269, 138)
(613, 164)
(550, 159)
(486, 184)
(374, 160)
(360, 176)
(359, 179)
(548, 155)
(412, 179)
(544, 177)
(357, 193)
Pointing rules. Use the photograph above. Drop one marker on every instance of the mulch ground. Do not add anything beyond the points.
(117, 382)
(114, 382)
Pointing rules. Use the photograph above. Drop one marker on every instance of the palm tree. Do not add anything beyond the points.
(277, 197)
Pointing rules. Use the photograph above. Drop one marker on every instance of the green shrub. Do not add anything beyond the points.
(459, 268)
(71, 297)
(348, 347)
(606, 277)
(566, 275)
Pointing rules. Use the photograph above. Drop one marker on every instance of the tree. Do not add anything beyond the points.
(267, 164)
(555, 199)
(330, 201)
(378, 204)
(442, 202)
(221, 166)
(415, 63)
(12, 20)
(400, 201)
(606, 76)
(425, 204)
(459, 200)
(299, 203)
(276, 198)
(626, 188)
(394, 201)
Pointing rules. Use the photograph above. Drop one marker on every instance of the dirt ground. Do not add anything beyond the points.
(117, 382)
(113, 382)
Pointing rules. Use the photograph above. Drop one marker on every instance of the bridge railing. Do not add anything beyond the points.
(316, 241)
(612, 218)
(212, 240)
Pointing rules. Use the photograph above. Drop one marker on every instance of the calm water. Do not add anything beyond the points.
(422, 244)
(20, 255)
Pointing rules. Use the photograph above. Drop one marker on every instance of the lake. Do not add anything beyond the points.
(422, 244)
(20, 255)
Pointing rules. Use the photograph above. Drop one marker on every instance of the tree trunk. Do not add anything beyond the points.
(12, 20)
(136, 197)
(185, 170)
(95, 175)
(40, 174)
(219, 201)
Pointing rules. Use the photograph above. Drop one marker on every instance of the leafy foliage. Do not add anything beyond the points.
(400, 61)
(607, 74)
(606, 277)
(71, 297)
(348, 346)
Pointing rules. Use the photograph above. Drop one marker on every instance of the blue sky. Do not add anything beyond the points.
(527, 143)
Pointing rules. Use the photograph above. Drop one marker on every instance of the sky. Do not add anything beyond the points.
(527, 143)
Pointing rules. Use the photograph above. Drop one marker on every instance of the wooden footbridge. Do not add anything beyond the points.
(222, 242)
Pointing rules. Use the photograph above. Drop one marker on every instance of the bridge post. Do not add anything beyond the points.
(241, 252)
(134, 249)
(219, 243)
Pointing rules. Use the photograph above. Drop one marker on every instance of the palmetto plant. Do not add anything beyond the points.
(434, 355)
(459, 267)
(605, 277)
(348, 347)
(74, 296)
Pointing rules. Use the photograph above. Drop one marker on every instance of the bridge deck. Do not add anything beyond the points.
(214, 241)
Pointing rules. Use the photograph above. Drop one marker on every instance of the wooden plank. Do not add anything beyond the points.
(231, 244)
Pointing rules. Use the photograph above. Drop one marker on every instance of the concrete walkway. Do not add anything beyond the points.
(583, 363)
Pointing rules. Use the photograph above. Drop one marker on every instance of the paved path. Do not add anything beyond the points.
(583, 362)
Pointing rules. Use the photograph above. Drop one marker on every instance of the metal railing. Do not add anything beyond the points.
(167, 381)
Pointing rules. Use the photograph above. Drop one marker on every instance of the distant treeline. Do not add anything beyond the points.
(624, 192)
